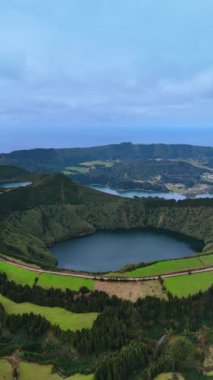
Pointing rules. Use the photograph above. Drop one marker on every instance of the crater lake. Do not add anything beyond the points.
(110, 251)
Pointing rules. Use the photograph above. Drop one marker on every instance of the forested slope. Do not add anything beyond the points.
(55, 208)
(57, 159)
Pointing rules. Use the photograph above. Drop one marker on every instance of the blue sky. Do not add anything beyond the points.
(80, 64)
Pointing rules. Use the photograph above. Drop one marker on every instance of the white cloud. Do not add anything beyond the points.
(199, 85)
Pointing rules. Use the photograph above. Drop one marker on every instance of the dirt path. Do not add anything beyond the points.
(14, 362)
(99, 277)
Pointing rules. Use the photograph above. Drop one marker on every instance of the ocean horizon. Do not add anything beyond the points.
(88, 137)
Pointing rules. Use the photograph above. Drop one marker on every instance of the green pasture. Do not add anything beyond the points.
(55, 315)
(64, 282)
(79, 169)
(168, 376)
(184, 286)
(44, 372)
(167, 266)
(18, 275)
(107, 164)
(67, 172)
(27, 277)
(5, 370)
(30, 371)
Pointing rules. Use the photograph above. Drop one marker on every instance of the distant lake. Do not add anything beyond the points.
(14, 184)
(146, 194)
(109, 251)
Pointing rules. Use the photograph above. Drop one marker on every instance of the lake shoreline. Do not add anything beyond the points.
(148, 193)
(106, 251)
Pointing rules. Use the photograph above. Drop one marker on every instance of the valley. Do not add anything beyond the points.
(106, 190)
(85, 322)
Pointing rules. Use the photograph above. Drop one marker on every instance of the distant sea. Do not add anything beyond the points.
(64, 137)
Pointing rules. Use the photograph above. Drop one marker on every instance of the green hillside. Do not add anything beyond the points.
(150, 175)
(12, 173)
(58, 159)
(55, 208)
(56, 316)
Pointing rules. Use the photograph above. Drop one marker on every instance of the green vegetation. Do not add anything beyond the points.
(45, 372)
(64, 282)
(85, 167)
(169, 376)
(150, 175)
(167, 266)
(28, 371)
(55, 315)
(5, 370)
(123, 341)
(124, 166)
(57, 159)
(19, 275)
(28, 277)
(12, 173)
(55, 208)
(81, 333)
(78, 169)
(107, 164)
(185, 286)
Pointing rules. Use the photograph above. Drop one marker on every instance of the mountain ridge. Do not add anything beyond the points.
(56, 159)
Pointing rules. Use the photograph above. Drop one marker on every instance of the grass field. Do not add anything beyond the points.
(55, 315)
(63, 282)
(107, 164)
(208, 362)
(171, 266)
(168, 376)
(27, 277)
(5, 370)
(18, 275)
(68, 172)
(32, 371)
(183, 286)
(79, 169)
(44, 372)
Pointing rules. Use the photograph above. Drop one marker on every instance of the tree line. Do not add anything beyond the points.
(124, 341)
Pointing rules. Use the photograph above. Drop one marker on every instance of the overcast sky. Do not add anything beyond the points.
(68, 64)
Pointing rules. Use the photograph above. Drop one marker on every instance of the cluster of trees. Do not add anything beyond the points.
(151, 313)
(12, 173)
(179, 355)
(179, 314)
(71, 300)
(34, 325)
(126, 362)
(124, 339)
(18, 331)
(113, 328)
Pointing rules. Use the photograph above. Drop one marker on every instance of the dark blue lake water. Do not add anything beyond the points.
(108, 251)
